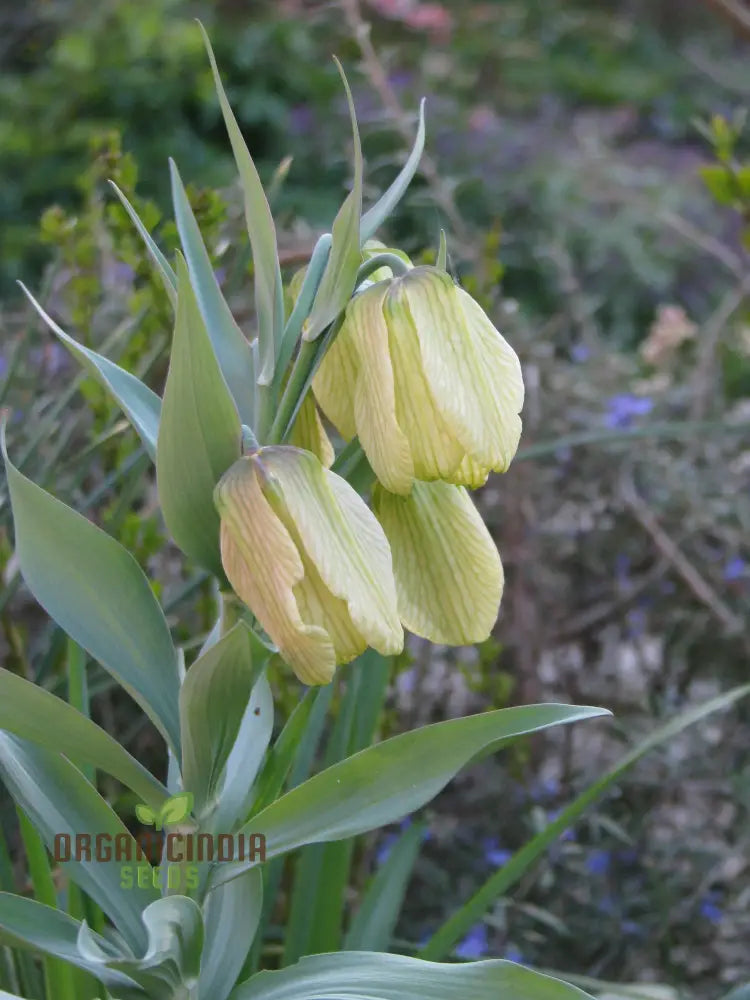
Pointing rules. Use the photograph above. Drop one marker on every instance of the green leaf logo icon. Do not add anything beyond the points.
(145, 815)
(176, 809)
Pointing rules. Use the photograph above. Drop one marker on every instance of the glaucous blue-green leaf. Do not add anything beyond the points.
(230, 915)
(96, 591)
(233, 351)
(60, 801)
(269, 294)
(363, 975)
(244, 761)
(199, 434)
(139, 404)
(374, 217)
(27, 924)
(213, 701)
(373, 924)
(386, 782)
(340, 275)
(29, 711)
(163, 267)
(170, 964)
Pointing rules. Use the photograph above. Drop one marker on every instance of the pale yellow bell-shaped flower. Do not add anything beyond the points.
(422, 377)
(449, 578)
(301, 549)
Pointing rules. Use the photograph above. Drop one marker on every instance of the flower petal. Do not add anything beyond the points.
(309, 433)
(263, 565)
(449, 576)
(382, 440)
(344, 541)
(474, 374)
(469, 473)
(435, 451)
(334, 382)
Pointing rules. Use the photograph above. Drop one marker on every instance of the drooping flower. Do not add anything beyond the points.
(421, 375)
(449, 578)
(302, 550)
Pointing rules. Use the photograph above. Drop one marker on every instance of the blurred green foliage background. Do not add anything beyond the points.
(590, 166)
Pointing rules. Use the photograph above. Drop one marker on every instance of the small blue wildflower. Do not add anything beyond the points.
(710, 909)
(406, 680)
(632, 927)
(622, 409)
(636, 622)
(3, 365)
(494, 854)
(384, 848)
(598, 862)
(512, 954)
(405, 823)
(735, 569)
(475, 944)
(580, 353)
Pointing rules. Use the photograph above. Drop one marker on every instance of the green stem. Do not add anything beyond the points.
(397, 264)
(295, 389)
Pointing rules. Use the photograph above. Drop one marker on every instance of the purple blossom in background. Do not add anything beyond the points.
(622, 409)
(123, 273)
(384, 848)
(512, 954)
(735, 569)
(632, 928)
(636, 622)
(475, 944)
(710, 909)
(3, 365)
(494, 854)
(221, 275)
(301, 119)
(598, 862)
(548, 788)
(580, 353)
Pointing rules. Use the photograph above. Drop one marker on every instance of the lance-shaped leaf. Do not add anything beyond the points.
(170, 965)
(96, 592)
(199, 434)
(386, 782)
(61, 803)
(213, 702)
(26, 924)
(163, 267)
(139, 404)
(233, 351)
(269, 294)
(245, 758)
(29, 711)
(231, 915)
(340, 274)
(374, 217)
(362, 975)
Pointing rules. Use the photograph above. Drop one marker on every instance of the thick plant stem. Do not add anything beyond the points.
(294, 390)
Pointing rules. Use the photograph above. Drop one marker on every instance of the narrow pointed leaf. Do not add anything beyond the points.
(96, 591)
(376, 216)
(140, 405)
(340, 274)
(245, 759)
(362, 975)
(233, 351)
(199, 434)
(213, 701)
(386, 782)
(231, 916)
(167, 275)
(60, 801)
(25, 923)
(269, 297)
(375, 920)
(29, 711)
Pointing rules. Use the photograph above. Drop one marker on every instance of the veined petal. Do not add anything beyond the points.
(469, 473)
(474, 374)
(449, 576)
(263, 565)
(380, 435)
(334, 382)
(344, 541)
(435, 451)
(309, 433)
